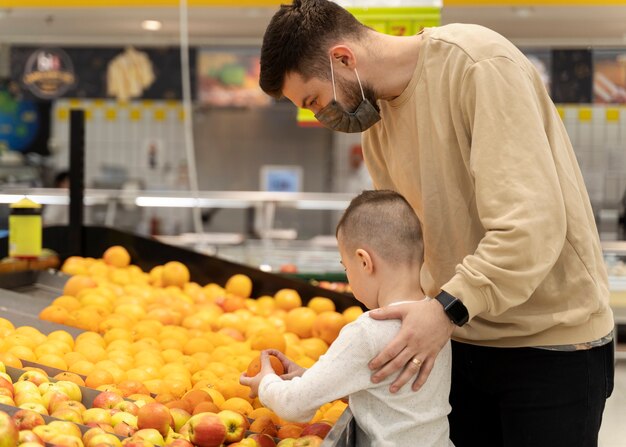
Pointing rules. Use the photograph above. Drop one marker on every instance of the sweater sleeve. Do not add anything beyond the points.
(518, 196)
(338, 373)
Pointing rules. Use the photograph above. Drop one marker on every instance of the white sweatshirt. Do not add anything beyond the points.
(401, 419)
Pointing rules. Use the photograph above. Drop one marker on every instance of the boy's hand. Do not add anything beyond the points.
(425, 330)
(292, 369)
(254, 382)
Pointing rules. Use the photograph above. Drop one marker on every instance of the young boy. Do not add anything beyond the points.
(380, 243)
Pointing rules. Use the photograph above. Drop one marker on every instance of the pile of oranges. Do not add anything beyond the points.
(159, 332)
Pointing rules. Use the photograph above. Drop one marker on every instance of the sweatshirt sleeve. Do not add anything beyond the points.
(517, 189)
(338, 373)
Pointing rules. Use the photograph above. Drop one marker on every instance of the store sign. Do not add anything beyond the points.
(49, 73)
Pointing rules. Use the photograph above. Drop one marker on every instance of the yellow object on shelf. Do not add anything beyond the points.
(25, 230)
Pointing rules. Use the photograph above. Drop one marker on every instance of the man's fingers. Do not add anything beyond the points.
(387, 313)
(424, 372)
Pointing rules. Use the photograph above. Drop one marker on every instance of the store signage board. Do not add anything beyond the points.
(49, 73)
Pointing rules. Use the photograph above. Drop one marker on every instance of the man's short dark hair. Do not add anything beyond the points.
(384, 222)
(297, 40)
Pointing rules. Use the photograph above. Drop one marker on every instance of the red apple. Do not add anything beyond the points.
(35, 377)
(9, 433)
(124, 430)
(246, 442)
(127, 407)
(107, 400)
(287, 442)
(71, 389)
(91, 433)
(155, 415)
(150, 435)
(179, 443)
(103, 438)
(29, 436)
(96, 415)
(64, 440)
(206, 430)
(236, 425)
(320, 429)
(7, 400)
(131, 442)
(52, 399)
(27, 419)
(308, 441)
(180, 418)
(72, 405)
(39, 408)
(263, 440)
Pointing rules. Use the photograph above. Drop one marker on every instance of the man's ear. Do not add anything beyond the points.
(366, 261)
(342, 54)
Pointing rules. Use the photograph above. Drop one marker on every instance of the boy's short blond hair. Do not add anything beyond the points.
(384, 222)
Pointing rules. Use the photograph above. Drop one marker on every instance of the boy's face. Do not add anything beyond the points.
(361, 281)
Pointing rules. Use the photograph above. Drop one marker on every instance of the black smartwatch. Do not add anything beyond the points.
(454, 308)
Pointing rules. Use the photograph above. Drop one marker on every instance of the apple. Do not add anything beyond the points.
(97, 415)
(122, 416)
(52, 399)
(91, 433)
(29, 436)
(47, 386)
(247, 442)
(71, 389)
(125, 430)
(28, 397)
(155, 415)
(39, 408)
(131, 442)
(72, 405)
(106, 427)
(206, 430)
(287, 442)
(6, 384)
(263, 440)
(308, 441)
(236, 425)
(6, 393)
(173, 436)
(107, 400)
(67, 414)
(66, 440)
(320, 429)
(150, 435)
(180, 418)
(7, 400)
(30, 444)
(65, 427)
(103, 438)
(20, 387)
(45, 432)
(180, 443)
(9, 433)
(264, 424)
(27, 419)
(127, 407)
(36, 377)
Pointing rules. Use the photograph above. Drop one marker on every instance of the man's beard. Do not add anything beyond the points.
(350, 95)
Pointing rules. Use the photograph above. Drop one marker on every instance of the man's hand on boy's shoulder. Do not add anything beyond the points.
(425, 330)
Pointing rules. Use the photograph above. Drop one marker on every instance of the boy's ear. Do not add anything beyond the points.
(367, 263)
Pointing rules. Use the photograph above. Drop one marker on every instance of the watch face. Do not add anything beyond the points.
(458, 313)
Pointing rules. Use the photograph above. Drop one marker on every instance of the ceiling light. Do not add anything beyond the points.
(523, 12)
(151, 25)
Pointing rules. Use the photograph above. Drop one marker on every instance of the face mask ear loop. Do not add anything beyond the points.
(332, 75)
(359, 79)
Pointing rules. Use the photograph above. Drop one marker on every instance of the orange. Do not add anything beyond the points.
(117, 333)
(268, 339)
(237, 404)
(263, 411)
(197, 345)
(78, 283)
(320, 304)
(54, 314)
(4, 323)
(327, 326)
(91, 353)
(92, 338)
(67, 302)
(313, 347)
(287, 299)
(352, 313)
(300, 321)
(52, 360)
(240, 285)
(82, 367)
(63, 336)
(73, 357)
(10, 360)
(117, 256)
(255, 366)
(23, 352)
(175, 274)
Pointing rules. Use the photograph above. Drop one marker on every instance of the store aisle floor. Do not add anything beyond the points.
(613, 431)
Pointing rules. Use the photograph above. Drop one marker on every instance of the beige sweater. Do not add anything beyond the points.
(477, 147)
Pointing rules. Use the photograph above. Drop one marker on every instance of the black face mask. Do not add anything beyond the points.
(337, 118)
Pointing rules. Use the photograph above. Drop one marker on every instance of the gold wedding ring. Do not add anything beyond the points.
(417, 362)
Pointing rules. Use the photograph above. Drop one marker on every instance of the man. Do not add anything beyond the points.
(458, 121)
